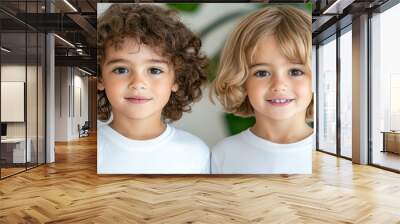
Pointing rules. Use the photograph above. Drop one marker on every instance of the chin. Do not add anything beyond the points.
(138, 116)
(280, 117)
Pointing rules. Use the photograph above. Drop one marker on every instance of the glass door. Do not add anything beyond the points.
(346, 92)
(327, 96)
(13, 103)
(385, 89)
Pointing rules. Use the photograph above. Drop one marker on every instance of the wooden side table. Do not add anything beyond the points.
(391, 141)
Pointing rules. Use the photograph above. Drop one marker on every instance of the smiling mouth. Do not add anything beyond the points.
(138, 99)
(280, 102)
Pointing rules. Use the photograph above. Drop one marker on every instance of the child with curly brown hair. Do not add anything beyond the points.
(150, 71)
(265, 71)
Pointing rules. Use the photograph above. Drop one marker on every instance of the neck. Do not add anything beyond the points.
(138, 129)
(281, 131)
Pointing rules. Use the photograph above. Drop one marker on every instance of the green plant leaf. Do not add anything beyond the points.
(308, 7)
(238, 124)
(185, 7)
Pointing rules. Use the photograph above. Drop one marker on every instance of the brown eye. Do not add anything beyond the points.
(120, 70)
(296, 72)
(262, 73)
(155, 71)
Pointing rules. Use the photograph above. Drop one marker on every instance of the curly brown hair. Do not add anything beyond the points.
(162, 30)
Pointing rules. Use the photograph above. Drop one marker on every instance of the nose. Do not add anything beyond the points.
(137, 81)
(279, 83)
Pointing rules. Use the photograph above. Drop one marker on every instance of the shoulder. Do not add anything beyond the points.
(189, 140)
(101, 123)
(101, 130)
(104, 131)
(104, 134)
(230, 141)
(228, 150)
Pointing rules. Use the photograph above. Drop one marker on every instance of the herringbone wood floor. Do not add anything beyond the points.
(70, 191)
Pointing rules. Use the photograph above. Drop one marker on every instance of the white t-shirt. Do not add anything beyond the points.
(173, 152)
(246, 153)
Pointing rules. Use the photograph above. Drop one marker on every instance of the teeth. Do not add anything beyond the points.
(280, 100)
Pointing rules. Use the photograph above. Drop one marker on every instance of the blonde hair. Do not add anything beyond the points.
(291, 28)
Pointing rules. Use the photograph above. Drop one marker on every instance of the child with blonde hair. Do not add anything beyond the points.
(265, 71)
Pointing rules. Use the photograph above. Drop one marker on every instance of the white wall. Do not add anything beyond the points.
(61, 103)
(12, 73)
(33, 126)
(67, 117)
(79, 117)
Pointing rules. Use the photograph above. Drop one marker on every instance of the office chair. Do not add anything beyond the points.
(84, 130)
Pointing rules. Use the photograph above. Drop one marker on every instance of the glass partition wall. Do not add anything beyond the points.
(346, 92)
(334, 104)
(334, 82)
(385, 89)
(326, 105)
(22, 77)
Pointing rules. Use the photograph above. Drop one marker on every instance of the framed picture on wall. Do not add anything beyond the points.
(12, 101)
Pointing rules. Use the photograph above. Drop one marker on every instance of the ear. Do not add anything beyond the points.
(100, 85)
(175, 87)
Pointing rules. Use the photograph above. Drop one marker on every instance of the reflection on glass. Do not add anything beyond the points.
(327, 97)
(23, 91)
(394, 101)
(13, 85)
(385, 88)
(346, 94)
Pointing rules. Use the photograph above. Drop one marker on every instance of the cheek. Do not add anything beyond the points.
(163, 88)
(255, 90)
(114, 88)
(255, 86)
(304, 90)
(112, 94)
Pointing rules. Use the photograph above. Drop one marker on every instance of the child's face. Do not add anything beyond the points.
(137, 80)
(277, 88)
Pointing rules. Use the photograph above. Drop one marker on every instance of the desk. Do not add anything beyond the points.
(17, 147)
(391, 141)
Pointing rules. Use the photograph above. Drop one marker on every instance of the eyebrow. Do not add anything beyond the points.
(268, 64)
(116, 61)
(160, 61)
(120, 60)
(259, 64)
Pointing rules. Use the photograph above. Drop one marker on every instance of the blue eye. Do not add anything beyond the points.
(120, 70)
(296, 72)
(155, 71)
(262, 73)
